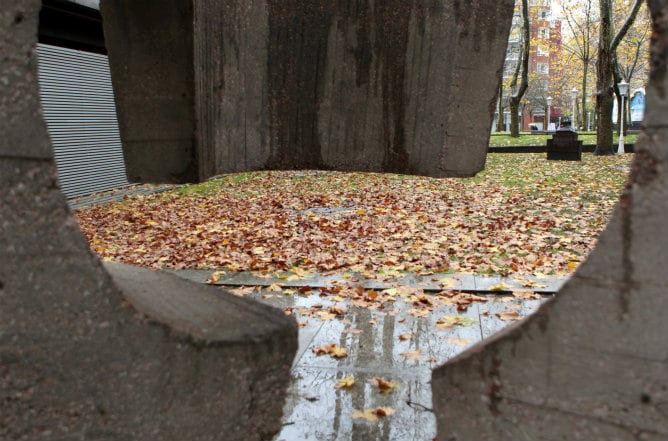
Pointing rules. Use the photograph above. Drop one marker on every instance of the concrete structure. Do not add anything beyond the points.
(80, 360)
(379, 86)
(593, 364)
(135, 355)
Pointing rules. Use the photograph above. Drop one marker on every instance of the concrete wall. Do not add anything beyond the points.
(592, 364)
(395, 85)
(144, 355)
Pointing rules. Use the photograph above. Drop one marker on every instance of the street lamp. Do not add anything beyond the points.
(623, 90)
(574, 94)
(549, 103)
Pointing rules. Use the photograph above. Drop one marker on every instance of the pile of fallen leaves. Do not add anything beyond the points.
(524, 214)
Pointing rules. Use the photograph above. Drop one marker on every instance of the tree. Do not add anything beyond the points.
(605, 71)
(582, 23)
(521, 73)
(631, 61)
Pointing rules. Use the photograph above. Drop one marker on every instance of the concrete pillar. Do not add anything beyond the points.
(592, 364)
(138, 355)
(218, 86)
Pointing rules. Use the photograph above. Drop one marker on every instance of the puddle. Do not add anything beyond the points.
(390, 343)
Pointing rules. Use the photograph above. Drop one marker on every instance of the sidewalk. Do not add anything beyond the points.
(397, 335)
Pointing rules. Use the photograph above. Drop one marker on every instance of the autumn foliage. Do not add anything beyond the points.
(523, 215)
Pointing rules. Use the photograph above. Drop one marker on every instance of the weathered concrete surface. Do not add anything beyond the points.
(593, 364)
(395, 85)
(153, 87)
(169, 360)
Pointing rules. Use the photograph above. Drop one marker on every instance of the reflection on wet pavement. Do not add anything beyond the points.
(400, 342)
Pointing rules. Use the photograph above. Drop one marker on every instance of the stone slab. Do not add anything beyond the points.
(316, 409)
(429, 283)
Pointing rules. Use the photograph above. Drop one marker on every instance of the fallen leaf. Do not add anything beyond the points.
(450, 321)
(244, 291)
(384, 385)
(345, 383)
(509, 315)
(499, 287)
(338, 352)
(325, 315)
(338, 310)
(333, 350)
(459, 341)
(384, 411)
(412, 355)
(215, 277)
(352, 331)
(405, 337)
(527, 295)
(367, 414)
(275, 288)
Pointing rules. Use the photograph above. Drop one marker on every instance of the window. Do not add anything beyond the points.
(543, 68)
(543, 51)
(544, 33)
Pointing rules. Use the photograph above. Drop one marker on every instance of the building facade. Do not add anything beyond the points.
(545, 57)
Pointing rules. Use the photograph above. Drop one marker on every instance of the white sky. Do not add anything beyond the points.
(95, 4)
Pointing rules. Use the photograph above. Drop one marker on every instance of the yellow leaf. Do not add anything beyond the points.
(366, 414)
(324, 315)
(215, 277)
(275, 287)
(499, 287)
(345, 383)
(338, 352)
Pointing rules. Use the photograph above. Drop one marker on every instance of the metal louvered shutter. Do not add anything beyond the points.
(78, 102)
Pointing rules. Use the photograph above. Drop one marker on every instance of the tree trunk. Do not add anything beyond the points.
(500, 127)
(514, 118)
(604, 82)
(583, 119)
(524, 74)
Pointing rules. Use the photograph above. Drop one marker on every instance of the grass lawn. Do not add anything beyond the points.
(527, 138)
(523, 214)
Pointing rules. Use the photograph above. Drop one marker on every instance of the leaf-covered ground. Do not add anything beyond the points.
(522, 215)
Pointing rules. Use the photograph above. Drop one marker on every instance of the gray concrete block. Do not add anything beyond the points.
(79, 359)
(23, 132)
(302, 85)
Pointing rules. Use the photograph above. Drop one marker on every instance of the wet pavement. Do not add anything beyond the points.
(394, 334)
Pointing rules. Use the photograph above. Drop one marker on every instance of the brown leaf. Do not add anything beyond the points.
(333, 350)
(338, 310)
(527, 295)
(384, 411)
(384, 385)
(509, 315)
